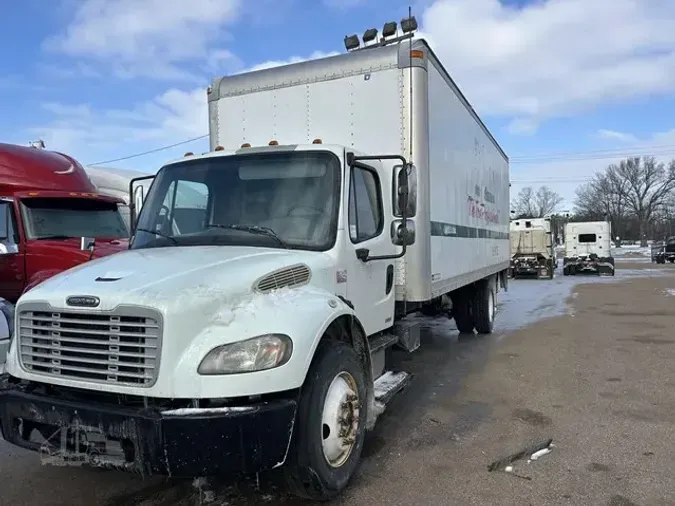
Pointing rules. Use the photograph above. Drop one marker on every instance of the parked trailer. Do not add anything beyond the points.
(255, 332)
(532, 252)
(588, 248)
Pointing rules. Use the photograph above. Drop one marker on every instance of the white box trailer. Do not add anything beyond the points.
(341, 195)
(532, 252)
(588, 248)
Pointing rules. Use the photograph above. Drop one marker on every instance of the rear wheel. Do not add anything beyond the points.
(330, 424)
(484, 307)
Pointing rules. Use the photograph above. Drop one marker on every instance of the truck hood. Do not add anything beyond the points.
(173, 279)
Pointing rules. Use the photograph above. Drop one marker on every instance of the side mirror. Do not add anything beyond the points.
(405, 191)
(401, 234)
(87, 243)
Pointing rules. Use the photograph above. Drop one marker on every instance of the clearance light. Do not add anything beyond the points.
(317, 141)
(189, 153)
(417, 53)
(273, 143)
(246, 145)
(33, 194)
(219, 148)
(369, 35)
(389, 29)
(409, 24)
(352, 42)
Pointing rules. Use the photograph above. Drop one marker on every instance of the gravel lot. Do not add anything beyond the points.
(587, 362)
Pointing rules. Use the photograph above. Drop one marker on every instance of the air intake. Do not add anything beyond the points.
(288, 277)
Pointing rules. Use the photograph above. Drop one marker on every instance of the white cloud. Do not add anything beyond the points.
(567, 171)
(554, 58)
(617, 136)
(293, 59)
(150, 38)
(88, 134)
(174, 116)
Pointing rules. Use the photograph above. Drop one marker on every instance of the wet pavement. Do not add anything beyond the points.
(586, 361)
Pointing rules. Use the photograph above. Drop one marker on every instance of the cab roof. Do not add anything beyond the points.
(30, 169)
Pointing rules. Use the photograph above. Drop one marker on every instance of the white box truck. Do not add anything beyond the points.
(588, 248)
(532, 252)
(247, 330)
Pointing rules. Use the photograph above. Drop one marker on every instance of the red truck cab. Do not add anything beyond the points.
(51, 218)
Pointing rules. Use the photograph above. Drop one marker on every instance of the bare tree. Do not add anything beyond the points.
(523, 205)
(604, 197)
(546, 201)
(648, 187)
(531, 204)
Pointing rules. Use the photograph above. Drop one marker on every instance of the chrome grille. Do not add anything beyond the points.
(120, 347)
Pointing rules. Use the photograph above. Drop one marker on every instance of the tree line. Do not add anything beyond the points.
(637, 195)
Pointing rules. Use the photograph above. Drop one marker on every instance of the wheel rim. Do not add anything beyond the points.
(491, 305)
(340, 419)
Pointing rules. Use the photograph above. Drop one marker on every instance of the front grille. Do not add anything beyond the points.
(119, 347)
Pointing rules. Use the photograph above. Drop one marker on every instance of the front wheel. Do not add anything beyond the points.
(330, 424)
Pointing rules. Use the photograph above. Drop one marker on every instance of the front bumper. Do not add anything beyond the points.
(183, 443)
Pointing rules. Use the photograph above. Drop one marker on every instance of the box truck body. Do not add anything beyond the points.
(363, 101)
(588, 248)
(249, 331)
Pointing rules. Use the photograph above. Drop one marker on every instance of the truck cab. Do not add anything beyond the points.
(51, 218)
(532, 252)
(588, 248)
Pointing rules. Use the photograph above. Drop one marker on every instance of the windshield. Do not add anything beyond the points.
(60, 218)
(278, 200)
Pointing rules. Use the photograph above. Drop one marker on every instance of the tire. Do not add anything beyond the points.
(462, 311)
(335, 373)
(484, 307)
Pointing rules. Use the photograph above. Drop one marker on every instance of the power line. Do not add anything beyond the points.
(149, 152)
(599, 152)
(570, 156)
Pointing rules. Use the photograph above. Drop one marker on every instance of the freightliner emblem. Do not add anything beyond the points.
(83, 301)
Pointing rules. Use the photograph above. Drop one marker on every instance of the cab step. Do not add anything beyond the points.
(389, 384)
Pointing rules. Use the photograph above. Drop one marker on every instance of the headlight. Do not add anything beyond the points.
(256, 354)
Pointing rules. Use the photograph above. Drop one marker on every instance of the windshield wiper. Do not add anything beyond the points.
(163, 236)
(254, 229)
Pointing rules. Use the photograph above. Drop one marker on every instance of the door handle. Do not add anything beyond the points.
(390, 279)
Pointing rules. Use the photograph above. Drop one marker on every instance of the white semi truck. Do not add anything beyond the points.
(249, 331)
(532, 252)
(588, 248)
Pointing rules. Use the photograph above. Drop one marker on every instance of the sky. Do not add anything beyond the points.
(566, 86)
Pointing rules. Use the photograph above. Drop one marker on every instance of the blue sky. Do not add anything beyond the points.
(566, 86)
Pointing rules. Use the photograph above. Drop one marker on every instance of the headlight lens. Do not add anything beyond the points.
(256, 354)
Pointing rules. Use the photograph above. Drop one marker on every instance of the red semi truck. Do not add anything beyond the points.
(51, 218)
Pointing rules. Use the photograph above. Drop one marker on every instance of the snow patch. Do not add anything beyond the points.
(670, 292)
(540, 453)
(387, 382)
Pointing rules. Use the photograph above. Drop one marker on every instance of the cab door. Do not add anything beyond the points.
(12, 264)
(370, 284)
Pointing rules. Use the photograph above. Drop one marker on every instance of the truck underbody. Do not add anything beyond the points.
(532, 265)
(588, 264)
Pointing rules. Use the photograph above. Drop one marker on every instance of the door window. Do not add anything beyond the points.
(9, 239)
(366, 214)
